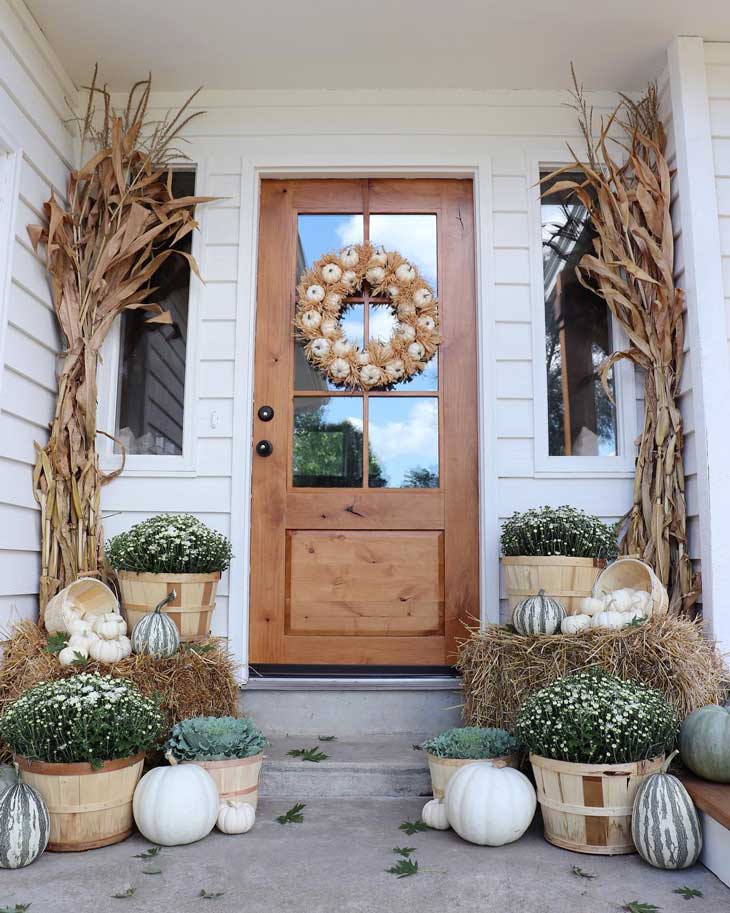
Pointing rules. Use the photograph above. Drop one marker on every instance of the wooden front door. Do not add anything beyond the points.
(364, 538)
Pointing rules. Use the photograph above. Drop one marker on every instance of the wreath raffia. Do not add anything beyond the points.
(321, 294)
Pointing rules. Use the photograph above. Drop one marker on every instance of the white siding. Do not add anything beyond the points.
(717, 57)
(32, 114)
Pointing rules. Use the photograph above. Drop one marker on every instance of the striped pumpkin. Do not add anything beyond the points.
(665, 827)
(539, 614)
(24, 826)
(156, 633)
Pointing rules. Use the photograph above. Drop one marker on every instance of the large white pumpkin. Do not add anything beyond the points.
(489, 805)
(175, 805)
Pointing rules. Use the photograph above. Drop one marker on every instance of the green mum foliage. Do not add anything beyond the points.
(471, 742)
(564, 531)
(215, 738)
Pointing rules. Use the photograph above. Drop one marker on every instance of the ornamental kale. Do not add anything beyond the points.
(82, 718)
(471, 742)
(594, 718)
(564, 531)
(215, 738)
(170, 543)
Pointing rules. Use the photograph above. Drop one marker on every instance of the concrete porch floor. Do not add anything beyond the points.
(335, 862)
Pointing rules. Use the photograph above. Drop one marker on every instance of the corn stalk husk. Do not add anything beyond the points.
(625, 185)
(101, 253)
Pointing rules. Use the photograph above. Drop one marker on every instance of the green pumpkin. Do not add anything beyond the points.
(539, 614)
(156, 633)
(665, 826)
(704, 743)
(24, 826)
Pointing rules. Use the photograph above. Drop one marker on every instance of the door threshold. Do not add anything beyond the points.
(353, 681)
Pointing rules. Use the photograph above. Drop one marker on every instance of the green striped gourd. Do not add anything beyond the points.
(539, 614)
(24, 826)
(156, 633)
(665, 827)
(704, 743)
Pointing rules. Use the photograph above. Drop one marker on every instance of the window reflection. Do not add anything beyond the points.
(328, 444)
(581, 417)
(320, 233)
(403, 441)
(309, 377)
(414, 236)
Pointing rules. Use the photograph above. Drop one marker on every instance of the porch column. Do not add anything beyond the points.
(706, 325)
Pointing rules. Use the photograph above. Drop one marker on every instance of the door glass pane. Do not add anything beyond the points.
(414, 236)
(383, 323)
(308, 377)
(327, 442)
(321, 233)
(403, 434)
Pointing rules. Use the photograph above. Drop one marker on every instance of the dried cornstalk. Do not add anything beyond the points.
(101, 254)
(628, 198)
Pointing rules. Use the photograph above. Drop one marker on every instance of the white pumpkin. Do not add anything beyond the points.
(314, 293)
(339, 369)
(320, 347)
(633, 615)
(311, 319)
(349, 257)
(79, 626)
(70, 655)
(574, 624)
(109, 626)
(349, 277)
(434, 815)
(370, 375)
(341, 347)
(235, 817)
(416, 351)
(363, 358)
(175, 805)
(108, 651)
(331, 272)
(126, 643)
(393, 291)
(332, 300)
(82, 641)
(378, 258)
(592, 606)
(394, 369)
(328, 326)
(489, 805)
(610, 620)
(405, 273)
(620, 600)
(422, 297)
(427, 323)
(642, 600)
(375, 275)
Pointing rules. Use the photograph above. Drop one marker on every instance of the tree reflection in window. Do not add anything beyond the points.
(581, 417)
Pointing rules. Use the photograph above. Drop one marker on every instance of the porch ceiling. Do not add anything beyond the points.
(396, 44)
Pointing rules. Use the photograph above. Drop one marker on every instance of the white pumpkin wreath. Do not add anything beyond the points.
(321, 295)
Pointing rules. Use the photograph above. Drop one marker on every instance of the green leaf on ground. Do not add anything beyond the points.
(403, 868)
(152, 871)
(404, 850)
(18, 908)
(635, 906)
(308, 754)
(127, 892)
(326, 738)
(412, 827)
(211, 895)
(417, 747)
(294, 815)
(148, 854)
(56, 642)
(688, 893)
(580, 873)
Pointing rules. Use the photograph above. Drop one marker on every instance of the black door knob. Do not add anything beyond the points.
(264, 448)
(266, 413)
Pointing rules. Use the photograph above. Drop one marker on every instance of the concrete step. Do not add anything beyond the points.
(375, 767)
(353, 709)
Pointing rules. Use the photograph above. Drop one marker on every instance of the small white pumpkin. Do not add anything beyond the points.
(375, 275)
(427, 323)
(79, 626)
(416, 351)
(333, 300)
(331, 272)
(349, 257)
(641, 600)
(434, 815)
(394, 369)
(349, 277)
(176, 805)
(620, 600)
(311, 319)
(339, 369)
(341, 347)
(370, 375)
(108, 651)
(235, 817)
(609, 620)
(393, 291)
(320, 347)
(489, 805)
(405, 273)
(69, 655)
(126, 644)
(314, 293)
(363, 358)
(328, 326)
(109, 626)
(407, 332)
(82, 641)
(592, 606)
(378, 257)
(574, 624)
(422, 297)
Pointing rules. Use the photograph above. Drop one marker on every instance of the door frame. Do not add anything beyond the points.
(252, 173)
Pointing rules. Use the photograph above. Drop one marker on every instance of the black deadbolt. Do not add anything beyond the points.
(264, 448)
(266, 413)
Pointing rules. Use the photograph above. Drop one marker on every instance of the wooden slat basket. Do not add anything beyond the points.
(191, 609)
(86, 593)
(568, 579)
(587, 808)
(631, 573)
(88, 808)
(443, 769)
(237, 779)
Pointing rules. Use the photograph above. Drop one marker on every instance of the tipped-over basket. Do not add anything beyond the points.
(632, 574)
(587, 808)
(191, 609)
(568, 579)
(88, 594)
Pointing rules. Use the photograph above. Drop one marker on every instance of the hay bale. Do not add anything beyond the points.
(500, 668)
(199, 680)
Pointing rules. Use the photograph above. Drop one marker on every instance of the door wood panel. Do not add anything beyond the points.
(364, 576)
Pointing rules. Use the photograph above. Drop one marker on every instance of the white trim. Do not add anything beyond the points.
(546, 466)
(11, 158)
(706, 322)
